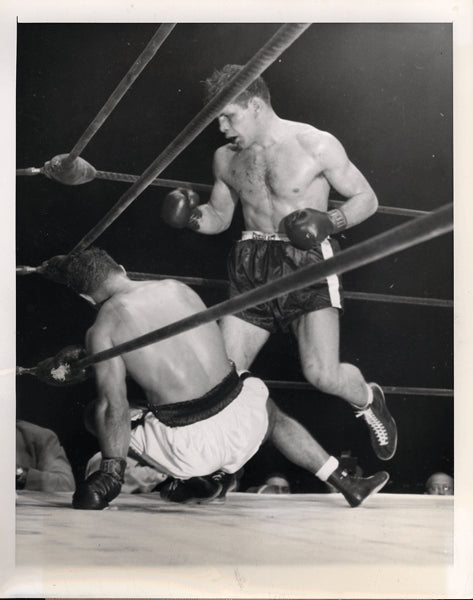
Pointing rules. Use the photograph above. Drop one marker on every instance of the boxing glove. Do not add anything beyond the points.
(178, 207)
(101, 487)
(307, 226)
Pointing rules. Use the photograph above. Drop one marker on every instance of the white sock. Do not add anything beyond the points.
(370, 399)
(330, 465)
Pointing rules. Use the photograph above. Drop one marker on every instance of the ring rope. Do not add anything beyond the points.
(205, 187)
(125, 84)
(396, 239)
(223, 284)
(303, 385)
(394, 390)
(168, 183)
(370, 296)
(281, 40)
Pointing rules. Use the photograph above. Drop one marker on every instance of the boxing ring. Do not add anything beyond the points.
(71, 169)
(255, 529)
(252, 545)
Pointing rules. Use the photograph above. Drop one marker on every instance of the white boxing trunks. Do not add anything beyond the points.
(224, 441)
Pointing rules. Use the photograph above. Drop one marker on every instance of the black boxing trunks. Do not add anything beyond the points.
(184, 413)
(259, 258)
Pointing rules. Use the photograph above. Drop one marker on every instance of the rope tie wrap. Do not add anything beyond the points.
(61, 169)
(61, 370)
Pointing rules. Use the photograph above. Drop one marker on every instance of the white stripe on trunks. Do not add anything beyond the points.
(333, 281)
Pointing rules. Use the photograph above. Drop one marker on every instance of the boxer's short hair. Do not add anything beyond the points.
(220, 77)
(83, 272)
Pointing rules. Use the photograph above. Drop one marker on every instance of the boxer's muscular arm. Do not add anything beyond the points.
(111, 407)
(216, 215)
(345, 178)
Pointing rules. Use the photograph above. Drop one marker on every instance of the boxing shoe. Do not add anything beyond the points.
(382, 426)
(196, 490)
(101, 487)
(356, 489)
(228, 481)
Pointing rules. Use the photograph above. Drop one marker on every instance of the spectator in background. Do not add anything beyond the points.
(276, 483)
(439, 484)
(41, 462)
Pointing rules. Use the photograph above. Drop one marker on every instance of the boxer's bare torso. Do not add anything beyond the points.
(272, 181)
(274, 167)
(180, 368)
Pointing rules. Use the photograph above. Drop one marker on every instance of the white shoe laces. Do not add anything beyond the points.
(375, 424)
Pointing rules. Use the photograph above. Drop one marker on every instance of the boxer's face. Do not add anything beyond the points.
(239, 125)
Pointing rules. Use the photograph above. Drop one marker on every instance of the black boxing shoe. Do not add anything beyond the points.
(228, 481)
(357, 489)
(382, 426)
(196, 490)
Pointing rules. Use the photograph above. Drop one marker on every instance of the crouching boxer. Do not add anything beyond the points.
(202, 420)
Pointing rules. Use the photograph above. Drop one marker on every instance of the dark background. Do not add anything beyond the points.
(385, 90)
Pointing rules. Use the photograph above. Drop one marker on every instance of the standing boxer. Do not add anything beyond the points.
(282, 172)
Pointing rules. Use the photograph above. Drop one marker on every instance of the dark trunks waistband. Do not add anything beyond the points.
(192, 411)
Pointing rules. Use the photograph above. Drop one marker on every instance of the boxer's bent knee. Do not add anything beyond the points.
(325, 378)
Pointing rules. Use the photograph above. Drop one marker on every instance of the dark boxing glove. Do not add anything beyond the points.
(179, 208)
(307, 226)
(100, 487)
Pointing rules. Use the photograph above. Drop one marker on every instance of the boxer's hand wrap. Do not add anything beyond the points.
(179, 209)
(338, 219)
(307, 226)
(100, 487)
(194, 220)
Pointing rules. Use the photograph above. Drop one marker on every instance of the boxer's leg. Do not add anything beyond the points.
(242, 340)
(297, 445)
(318, 337)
